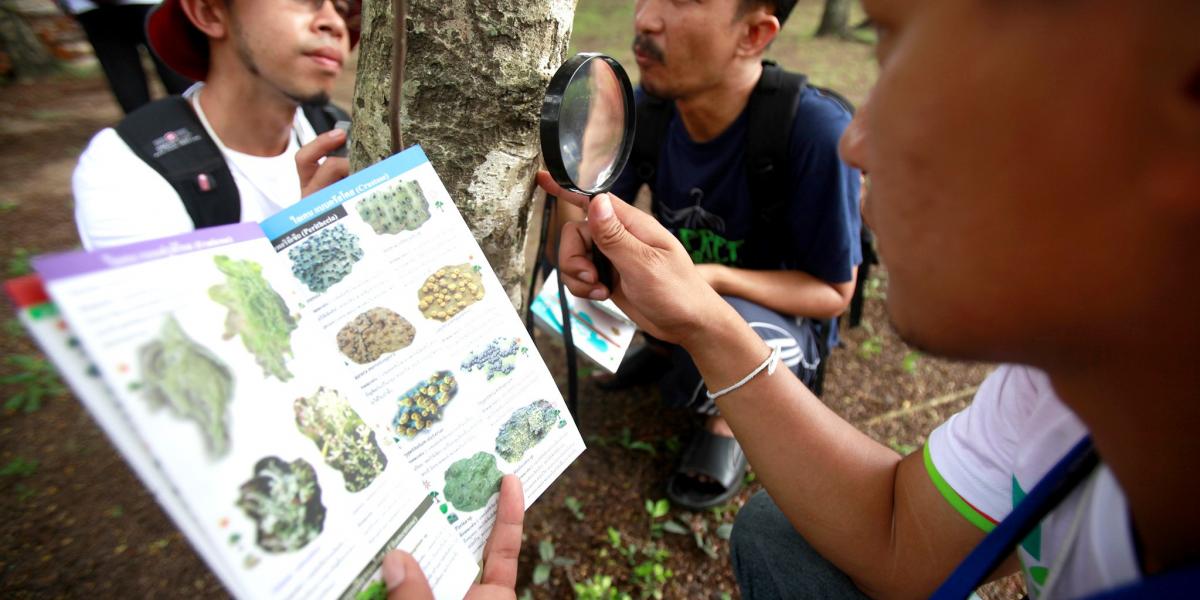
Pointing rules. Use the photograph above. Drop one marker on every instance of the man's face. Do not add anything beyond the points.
(1006, 145)
(296, 46)
(684, 46)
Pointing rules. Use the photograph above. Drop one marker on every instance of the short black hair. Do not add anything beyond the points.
(780, 8)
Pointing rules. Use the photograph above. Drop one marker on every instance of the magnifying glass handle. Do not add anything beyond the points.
(604, 268)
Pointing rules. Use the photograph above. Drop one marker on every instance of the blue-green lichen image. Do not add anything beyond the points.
(180, 373)
(343, 439)
(398, 207)
(524, 429)
(325, 258)
(471, 482)
(422, 406)
(256, 312)
(499, 358)
(284, 500)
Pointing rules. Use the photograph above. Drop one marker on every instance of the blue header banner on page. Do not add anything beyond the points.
(331, 197)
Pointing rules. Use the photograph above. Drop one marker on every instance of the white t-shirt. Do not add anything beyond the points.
(119, 199)
(987, 457)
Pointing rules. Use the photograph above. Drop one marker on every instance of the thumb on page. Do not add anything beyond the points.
(404, 578)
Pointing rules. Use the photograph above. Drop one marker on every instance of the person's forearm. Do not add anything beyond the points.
(789, 292)
(834, 483)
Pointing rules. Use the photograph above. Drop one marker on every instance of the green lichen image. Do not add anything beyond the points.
(448, 291)
(184, 375)
(344, 440)
(375, 591)
(400, 207)
(256, 312)
(524, 429)
(499, 358)
(373, 334)
(422, 406)
(470, 482)
(325, 258)
(284, 500)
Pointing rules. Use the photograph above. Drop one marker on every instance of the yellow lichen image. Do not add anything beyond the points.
(449, 291)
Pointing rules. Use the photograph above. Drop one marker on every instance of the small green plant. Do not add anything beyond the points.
(672, 445)
(599, 587)
(901, 448)
(656, 511)
(7, 206)
(19, 467)
(547, 561)
(18, 263)
(575, 506)
(13, 328)
(871, 347)
(874, 289)
(627, 442)
(909, 363)
(36, 380)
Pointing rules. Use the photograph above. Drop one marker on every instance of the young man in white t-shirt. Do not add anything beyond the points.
(1035, 191)
(257, 61)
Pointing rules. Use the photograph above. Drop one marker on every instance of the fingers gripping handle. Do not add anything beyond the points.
(604, 268)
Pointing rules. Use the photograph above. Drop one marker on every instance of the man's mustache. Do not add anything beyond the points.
(643, 45)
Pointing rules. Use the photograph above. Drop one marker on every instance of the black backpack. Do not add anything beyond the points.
(771, 109)
(169, 137)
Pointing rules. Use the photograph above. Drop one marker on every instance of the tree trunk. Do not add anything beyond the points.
(474, 81)
(29, 56)
(835, 21)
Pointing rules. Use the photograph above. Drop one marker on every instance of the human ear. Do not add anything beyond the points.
(761, 27)
(211, 17)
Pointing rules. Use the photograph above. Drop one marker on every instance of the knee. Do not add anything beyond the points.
(759, 518)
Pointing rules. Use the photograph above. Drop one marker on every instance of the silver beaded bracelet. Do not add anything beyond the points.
(769, 364)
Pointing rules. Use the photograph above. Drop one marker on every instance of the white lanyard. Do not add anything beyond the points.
(233, 166)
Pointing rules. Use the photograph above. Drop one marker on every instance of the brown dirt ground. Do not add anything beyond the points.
(81, 525)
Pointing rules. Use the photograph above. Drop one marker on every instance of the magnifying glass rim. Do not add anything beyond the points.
(552, 111)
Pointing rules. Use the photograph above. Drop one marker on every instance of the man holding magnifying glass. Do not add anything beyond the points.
(788, 275)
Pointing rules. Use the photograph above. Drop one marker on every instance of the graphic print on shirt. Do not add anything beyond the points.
(701, 232)
(1032, 545)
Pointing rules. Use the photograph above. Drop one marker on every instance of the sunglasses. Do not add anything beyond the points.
(346, 9)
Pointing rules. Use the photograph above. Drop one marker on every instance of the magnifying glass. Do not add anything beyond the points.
(587, 130)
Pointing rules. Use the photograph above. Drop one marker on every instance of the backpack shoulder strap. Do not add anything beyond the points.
(168, 136)
(653, 116)
(771, 110)
(322, 117)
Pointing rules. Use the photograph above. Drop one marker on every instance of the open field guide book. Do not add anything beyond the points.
(305, 394)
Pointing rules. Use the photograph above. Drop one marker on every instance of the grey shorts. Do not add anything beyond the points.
(799, 342)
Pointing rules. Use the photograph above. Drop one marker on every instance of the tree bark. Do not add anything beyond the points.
(835, 21)
(474, 81)
(29, 56)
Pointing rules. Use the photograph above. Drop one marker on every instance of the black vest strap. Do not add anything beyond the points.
(169, 137)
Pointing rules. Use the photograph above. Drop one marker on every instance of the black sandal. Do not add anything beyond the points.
(716, 457)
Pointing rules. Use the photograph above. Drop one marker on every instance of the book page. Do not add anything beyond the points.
(405, 297)
(262, 434)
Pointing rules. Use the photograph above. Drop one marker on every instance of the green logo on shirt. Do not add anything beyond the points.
(705, 246)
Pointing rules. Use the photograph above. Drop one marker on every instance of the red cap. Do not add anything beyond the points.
(185, 49)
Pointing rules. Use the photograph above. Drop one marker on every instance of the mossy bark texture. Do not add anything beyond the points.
(474, 79)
